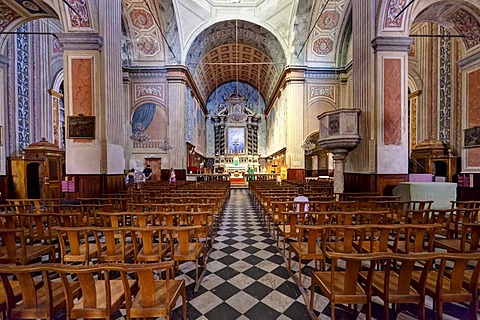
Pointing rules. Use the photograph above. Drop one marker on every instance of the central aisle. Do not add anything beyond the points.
(247, 277)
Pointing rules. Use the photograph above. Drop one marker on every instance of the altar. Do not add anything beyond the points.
(440, 192)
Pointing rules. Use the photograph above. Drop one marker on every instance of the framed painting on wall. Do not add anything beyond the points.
(81, 127)
(472, 137)
(236, 140)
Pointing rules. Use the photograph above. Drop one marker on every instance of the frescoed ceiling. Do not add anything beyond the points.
(457, 17)
(236, 51)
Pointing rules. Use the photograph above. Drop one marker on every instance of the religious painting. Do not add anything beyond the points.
(81, 127)
(236, 140)
(472, 137)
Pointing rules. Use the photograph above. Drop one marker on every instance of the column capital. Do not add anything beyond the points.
(80, 41)
(396, 44)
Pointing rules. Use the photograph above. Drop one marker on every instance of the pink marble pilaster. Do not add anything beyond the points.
(473, 154)
(81, 70)
(392, 102)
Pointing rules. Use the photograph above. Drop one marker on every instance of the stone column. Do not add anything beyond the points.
(391, 57)
(294, 89)
(177, 89)
(338, 179)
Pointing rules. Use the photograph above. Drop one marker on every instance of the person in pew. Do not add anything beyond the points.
(302, 198)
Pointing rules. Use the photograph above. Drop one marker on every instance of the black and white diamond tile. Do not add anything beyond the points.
(246, 276)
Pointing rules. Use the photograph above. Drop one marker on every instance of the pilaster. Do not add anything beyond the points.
(177, 88)
(294, 88)
(391, 90)
(114, 122)
(93, 81)
(362, 159)
(82, 85)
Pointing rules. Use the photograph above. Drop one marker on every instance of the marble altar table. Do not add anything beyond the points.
(440, 192)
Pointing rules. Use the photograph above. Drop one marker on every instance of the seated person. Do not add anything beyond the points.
(301, 198)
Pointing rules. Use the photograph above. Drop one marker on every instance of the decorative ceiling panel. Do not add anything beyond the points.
(143, 35)
(237, 63)
(325, 33)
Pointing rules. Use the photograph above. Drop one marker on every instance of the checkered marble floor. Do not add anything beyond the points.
(246, 276)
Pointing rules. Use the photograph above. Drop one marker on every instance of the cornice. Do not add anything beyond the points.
(144, 72)
(469, 61)
(181, 73)
(289, 74)
(80, 41)
(392, 44)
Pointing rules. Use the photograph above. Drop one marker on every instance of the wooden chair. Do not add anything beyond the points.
(14, 247)
(376, 237)
(150, 243)
(288, 228)
(38, 226)
(155, 297)
(75, 245)
(14, 294)
(100, 296)
(91, 216)
(343, 286)
(41, 297)
(393, 282)
(206, 220)
(113, 244)
(344, 238)
(469, 240)
(417, 238)
(446, 284)
(307, 247)
(189, 248)
(457, 218)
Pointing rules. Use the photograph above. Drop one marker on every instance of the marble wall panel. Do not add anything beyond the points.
(473, 154)
(81, 70)
(392, 109)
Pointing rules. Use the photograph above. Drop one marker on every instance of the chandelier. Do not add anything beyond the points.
(164, 145)
(139, 135)
(308, 146)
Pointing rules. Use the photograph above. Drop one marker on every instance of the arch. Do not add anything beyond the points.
(314, 109)
(415, 82)
(223, 32)
(460, 18)
(261, 53)
(345, 40)
(456, 16)
(149, 119)
(58, 81)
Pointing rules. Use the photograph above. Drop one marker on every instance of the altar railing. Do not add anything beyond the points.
(262, 176)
